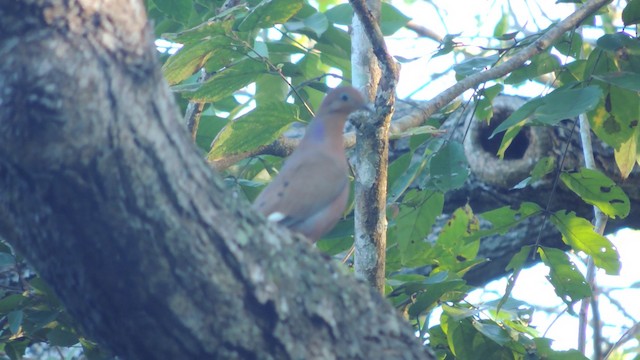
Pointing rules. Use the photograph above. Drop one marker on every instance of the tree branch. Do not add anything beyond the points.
(103, 191)
(372, 150)
(421, 114)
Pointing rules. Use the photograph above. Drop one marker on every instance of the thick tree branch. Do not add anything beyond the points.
(102, 190)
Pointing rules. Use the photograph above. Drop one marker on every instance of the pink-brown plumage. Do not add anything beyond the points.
(311, 191)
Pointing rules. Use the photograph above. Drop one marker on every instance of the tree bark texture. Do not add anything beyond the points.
(102, 190)
(372, 144)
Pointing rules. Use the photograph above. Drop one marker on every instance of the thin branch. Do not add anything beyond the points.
(600, 222)
(372, 146)
(424, 112)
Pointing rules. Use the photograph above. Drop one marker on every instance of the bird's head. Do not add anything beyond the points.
(344, 100)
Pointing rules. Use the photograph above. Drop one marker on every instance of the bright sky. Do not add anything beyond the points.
(474, 20)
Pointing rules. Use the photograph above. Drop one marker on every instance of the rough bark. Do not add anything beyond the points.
(372, 149)
(102, 190)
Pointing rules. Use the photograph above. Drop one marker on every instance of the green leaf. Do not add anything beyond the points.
(631, 13)
(415, 219)
(560, 104)
(269, 13)
(543, 167)
(570, 44)
(451, 247)
(620, 45)
(568, 282)
(544, 351)
(398, 169)
(60, 337)
(15, 320)
(458, 312)
(189, 59)
(501, 26)
(541, 64)
(474, 65)
(391, 19)
(449, 169)
(580, 235)
(209, 128)
(402, 181)
(15, 348)
(516, 264)
(428, 299)
(261, 126)
(341, 14)
(228, 81)
(484, 110)
(616, 117)
(520, 116)
(179, 10)
(628, 154)
(493, 331)
(597, 189)
(623, 79)
(505, 218)
(11, 302)
(202, 32)
(461, 335)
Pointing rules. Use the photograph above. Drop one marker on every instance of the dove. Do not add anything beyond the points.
(311, 190)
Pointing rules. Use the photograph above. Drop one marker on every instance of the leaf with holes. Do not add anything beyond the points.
(568, 283)
(597, 189)
(451, 249)
(417, 215)
(580, 235)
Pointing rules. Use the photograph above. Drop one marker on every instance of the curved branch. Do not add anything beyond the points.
(421, 114)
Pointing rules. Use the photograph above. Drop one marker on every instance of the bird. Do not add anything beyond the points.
(310, 192)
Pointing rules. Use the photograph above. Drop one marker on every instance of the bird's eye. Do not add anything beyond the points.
(344, 97)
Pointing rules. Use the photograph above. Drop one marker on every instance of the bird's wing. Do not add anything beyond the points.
(302, 189)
